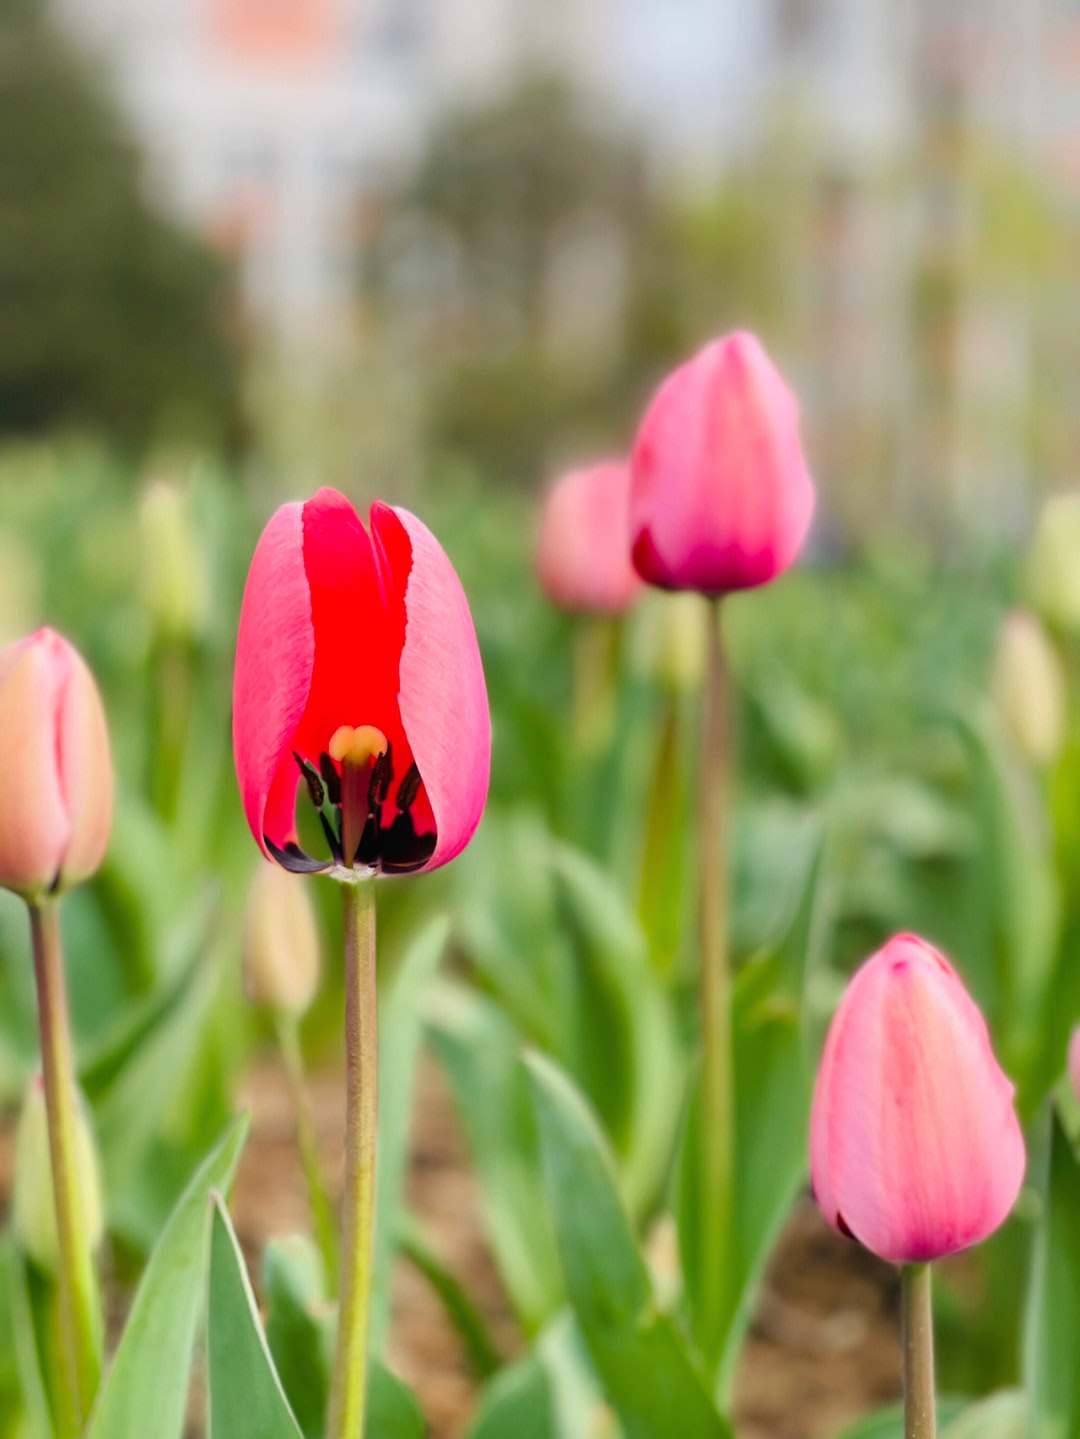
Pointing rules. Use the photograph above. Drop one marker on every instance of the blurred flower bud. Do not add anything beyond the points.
(173, 578)
(33, 1206)
(667, 641)
(720, 496)
(1052, 569)
(583, 557)
(56, 780)
(915, 1147)
(281, 942)
(1028, 686)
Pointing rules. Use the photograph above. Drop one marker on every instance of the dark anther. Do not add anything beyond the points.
(408, 788)
(293, 857)
(331, 778)
(332, 839)
(382, 773)
(367, 851)
(311, 778)
(841, 1224)
(402, 848)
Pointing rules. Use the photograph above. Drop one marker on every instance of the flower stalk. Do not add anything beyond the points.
(918, 1344)
(79, 1294)
(349, 1380)
(717, 1060)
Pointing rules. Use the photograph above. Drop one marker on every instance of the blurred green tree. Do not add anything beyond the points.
(110, 317)
(561, 277)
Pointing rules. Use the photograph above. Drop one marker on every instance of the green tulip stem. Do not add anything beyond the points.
(79, 1295)
(288, 1036)
(717, 1060)
(349, 1380)
(918, 1342)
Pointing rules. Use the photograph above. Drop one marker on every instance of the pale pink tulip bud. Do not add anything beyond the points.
(1073, 1062)
(915, 1148)
(583, 557)
(720, 496)
(56, 779)
(281, 942)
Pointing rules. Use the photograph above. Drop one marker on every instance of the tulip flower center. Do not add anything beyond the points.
(367, 819)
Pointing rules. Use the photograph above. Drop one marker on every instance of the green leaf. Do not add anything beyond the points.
(401, 1028)
(147, 1150)
(518, 1401)
(393, 1413)
(479, 1050)
(246, 1396)
(461, 1311)
(149, 1375)
(641, 1359)
(772, 1103)
(1004, 1415)
(888, 1423)
(299, 1326)
(1052, 1352)
(20, 1344)
(623, 998)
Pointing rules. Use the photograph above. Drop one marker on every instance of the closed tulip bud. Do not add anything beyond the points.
(173, 578)
(1053, 574)
(281, 943)
(33, 1208)
(720, 496)
(915, 1148)
(1028, 686)
(56, 779)
(582, 559)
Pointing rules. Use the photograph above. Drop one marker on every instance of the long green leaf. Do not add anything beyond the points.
(401, 1028)
(517, 1402)
(1053, 1333)
(479, 1050)
(640, 1357)
(246, 1396)
(146, 1388)
(772, 1100)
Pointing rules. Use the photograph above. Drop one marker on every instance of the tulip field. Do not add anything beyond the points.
(697, 876)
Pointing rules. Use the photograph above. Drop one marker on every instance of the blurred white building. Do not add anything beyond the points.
(271, 124)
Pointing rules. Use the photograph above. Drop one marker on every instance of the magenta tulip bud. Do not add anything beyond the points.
(582, 560)
(358, 671)
(56, 780)
(720, 496)
(915, 1148)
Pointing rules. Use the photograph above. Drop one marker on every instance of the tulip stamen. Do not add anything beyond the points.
(350, 802)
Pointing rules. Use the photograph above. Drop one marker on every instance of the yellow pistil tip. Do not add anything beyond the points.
(357, 746)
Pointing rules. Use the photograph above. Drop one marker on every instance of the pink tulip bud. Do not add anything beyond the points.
(720, 497)
(358, 671)
(1073, 1062)
(915, 1148)
(56, 780)
(583, 560)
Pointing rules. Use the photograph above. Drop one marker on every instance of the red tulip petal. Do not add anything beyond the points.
(275, 658)
(443, 698)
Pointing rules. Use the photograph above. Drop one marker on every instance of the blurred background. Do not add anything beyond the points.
(438, 251)
(360, 236)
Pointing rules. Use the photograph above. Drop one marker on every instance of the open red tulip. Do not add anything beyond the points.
(56, 782)
(720, 496)
(915, 1147)
(582, 559)
(357, 669)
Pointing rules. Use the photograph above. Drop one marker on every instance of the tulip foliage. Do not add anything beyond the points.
(890, 797)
